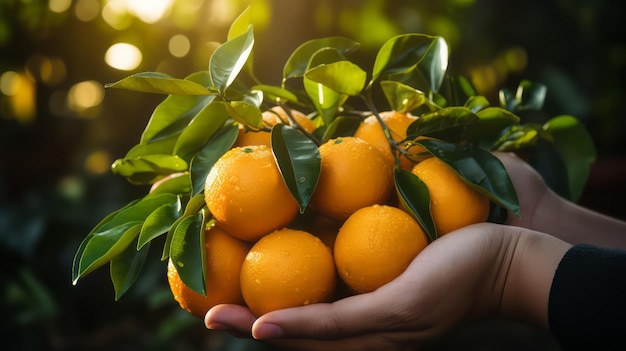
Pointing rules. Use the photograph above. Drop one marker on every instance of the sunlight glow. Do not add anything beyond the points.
(84, 95)
(149, 11)
(10, 83)
(98, 162)
(179, 45)
(123, 56)
(116, 15)
(87, 10)
(59, 6)
(21, 92)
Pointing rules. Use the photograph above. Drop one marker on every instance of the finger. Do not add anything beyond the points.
(381, 310)
(236, 319)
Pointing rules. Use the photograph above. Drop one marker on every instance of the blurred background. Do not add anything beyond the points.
(60, 130)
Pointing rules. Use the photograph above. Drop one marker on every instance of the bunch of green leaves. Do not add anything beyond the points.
(200, 118)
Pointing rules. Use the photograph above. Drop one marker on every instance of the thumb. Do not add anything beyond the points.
(347, 317)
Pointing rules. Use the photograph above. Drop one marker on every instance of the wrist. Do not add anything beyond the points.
(535, 257)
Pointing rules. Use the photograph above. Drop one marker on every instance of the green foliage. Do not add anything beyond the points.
(200, 118)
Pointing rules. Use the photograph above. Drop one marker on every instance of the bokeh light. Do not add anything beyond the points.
(59, 6)
(98, 162)
(20, 91)
(87, 10)
(85, 95)
(116, 15)
(49, 70)
(179, 45)
(149, 11)
(123, 56)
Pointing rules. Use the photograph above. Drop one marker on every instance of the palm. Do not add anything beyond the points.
(463, 264)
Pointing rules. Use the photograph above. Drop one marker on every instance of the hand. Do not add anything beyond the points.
(545, 211)
(531, 189)
(468, 273)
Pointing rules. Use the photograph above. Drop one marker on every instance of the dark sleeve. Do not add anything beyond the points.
(587, 303)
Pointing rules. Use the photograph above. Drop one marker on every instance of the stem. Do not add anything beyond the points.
(296, 125)
(395, 148)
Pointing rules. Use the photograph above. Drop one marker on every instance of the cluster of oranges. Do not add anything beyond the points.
(354, 237)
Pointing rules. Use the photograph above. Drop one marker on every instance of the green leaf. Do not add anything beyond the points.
(195, 204)
(135, 211)
(325, 100)
(161, 146)
(148, 168)
(177, 184)
(492, 122)
(241, 24)
(200, 129)
(457, 90)
(343, 77)
(245, 113)
(574, 144)
(125, 269)
(530, 95)
(325, 56)
(400, 54)
(414, 196)
(103, 246)
(159, 222)
(448, 123)
(229, 58)
(81, 248)
(517, 137)
(276, 94)
(434, 63)
(298, 62)
(480, 169)
(299, 161)
(160, 83)
(507, 99)
(187, 251)
(340, 126)
(174, 113)
(477, 103)
(401, 97)
(201, 164)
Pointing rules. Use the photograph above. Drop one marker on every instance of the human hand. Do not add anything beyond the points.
(545, 211)
(531, 189)
(459, 276)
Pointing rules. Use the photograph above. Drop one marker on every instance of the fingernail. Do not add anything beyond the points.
(219, 326)
(267, 331)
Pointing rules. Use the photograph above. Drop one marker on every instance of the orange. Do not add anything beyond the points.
(375, 245)
(246, 194)
(287, 268)
(453, 203)
(224, 257)
(354, 174)
(371, 131)
(271, 117)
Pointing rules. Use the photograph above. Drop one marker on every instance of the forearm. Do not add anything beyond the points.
(575, 224)
(528, 280)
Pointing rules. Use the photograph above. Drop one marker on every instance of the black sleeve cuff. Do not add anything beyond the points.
(587, 303)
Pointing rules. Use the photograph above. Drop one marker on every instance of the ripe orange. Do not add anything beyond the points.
(354, 174)
(246, 194)
(371, 131)
(453, 203)
(271, 117)
(287, 268)
(375, 245)
(224, 256)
